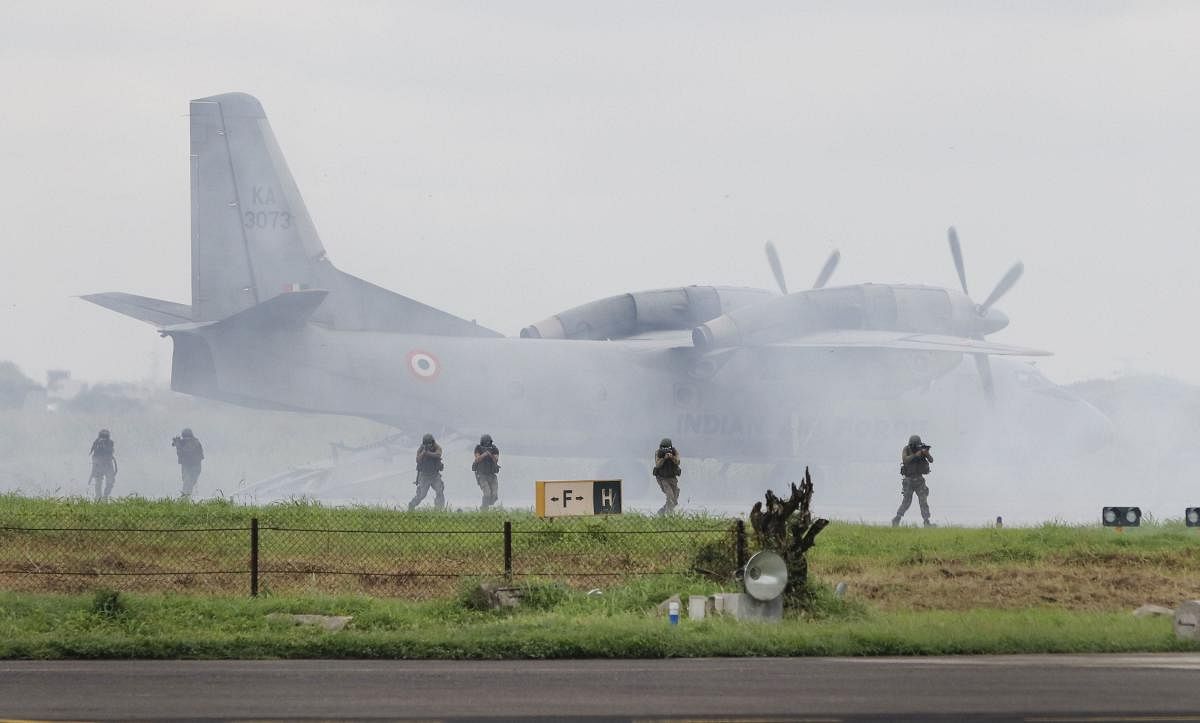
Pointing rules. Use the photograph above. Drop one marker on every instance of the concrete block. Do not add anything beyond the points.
(743, 607)
(500, 596)
(697, 607)
(1149, 611)
(1187, 620)
(332, 623)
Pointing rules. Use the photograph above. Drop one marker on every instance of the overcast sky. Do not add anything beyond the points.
(504, 161)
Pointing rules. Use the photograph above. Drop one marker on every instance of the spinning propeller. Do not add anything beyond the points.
(990, 320)
(777, 268)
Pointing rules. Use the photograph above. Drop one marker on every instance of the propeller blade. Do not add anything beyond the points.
(984, 367)
(827, 270)
(776, 267)
(956, 252)
(1002, 288)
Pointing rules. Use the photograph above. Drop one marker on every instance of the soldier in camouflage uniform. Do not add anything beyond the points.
(429, 474)
(104, 465)
(190, 453)
(914, 465)
(486, 466)
(666, 472)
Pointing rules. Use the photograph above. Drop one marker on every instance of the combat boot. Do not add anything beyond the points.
(929, 524)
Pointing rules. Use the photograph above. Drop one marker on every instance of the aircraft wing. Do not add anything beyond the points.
(907, 341)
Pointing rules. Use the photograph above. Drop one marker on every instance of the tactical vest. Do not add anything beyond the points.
(664, 468)
(102, 448)
(189, 451)
(486, 466)
(430, 464)
(918, 465)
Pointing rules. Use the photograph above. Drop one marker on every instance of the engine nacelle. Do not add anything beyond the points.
(626, 315)
(924, 309)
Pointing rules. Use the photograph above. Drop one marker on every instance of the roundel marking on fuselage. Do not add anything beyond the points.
(423, 365)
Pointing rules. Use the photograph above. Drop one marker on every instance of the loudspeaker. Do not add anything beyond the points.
(765, 576)
(1122, 516)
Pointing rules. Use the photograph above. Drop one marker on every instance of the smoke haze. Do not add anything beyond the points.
(505, 163)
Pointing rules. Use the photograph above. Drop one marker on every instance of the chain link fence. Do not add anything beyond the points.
(398, 555)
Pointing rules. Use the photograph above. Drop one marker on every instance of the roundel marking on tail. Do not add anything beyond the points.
(423, 365)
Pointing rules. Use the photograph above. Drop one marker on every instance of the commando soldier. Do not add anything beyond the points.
(667, 471)
(104, 465)
(190, 453)
(486, 466)
(429, 474)
(914, 465)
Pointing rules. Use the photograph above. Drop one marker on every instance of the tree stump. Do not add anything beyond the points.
(787, 527)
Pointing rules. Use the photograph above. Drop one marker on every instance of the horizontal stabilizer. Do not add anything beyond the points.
(143, 308)
(289, 310)
(906, 341)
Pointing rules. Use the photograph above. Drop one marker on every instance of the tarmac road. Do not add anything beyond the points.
(1043, 688)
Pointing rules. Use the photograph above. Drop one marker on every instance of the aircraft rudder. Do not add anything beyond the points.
(252, 237)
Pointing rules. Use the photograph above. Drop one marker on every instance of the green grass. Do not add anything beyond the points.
(616, 625)
(1167, 541)
(1083, 568)
(1051, 588)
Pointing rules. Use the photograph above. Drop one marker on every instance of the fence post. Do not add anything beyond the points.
(508, 550)
(253, 557)
(739, 543)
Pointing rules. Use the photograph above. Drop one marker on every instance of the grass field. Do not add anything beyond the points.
(955, 569)
(1051, 588)
(617, 624)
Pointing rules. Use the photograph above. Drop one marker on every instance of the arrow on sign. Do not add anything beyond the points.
(567, 497)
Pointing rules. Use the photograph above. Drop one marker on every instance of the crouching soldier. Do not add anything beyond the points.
(104, 465)
(486, 466)
(429, 474)
(667, 471)
(190, 453)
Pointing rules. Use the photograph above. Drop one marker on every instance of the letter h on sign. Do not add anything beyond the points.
(606, 497)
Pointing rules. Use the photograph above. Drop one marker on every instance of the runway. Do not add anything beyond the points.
(1028, 688)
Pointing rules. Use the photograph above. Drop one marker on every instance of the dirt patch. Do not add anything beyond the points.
(1113, 585)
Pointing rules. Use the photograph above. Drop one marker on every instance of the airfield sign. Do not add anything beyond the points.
(578, 498)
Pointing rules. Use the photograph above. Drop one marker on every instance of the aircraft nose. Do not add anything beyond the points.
(993, 320)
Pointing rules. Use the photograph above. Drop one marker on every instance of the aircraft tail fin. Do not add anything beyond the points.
(152, 311)
(252, 237)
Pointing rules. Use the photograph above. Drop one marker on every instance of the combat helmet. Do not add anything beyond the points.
(427, 438)
(485, 439)
(104, 434)
(914, 440)
(666, 443)
(187, 433)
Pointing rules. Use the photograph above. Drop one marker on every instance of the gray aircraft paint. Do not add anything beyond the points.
(821, 376)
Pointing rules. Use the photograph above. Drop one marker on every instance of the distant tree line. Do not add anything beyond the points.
(14, 385)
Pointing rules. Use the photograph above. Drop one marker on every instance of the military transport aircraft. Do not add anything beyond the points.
(736, 374)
